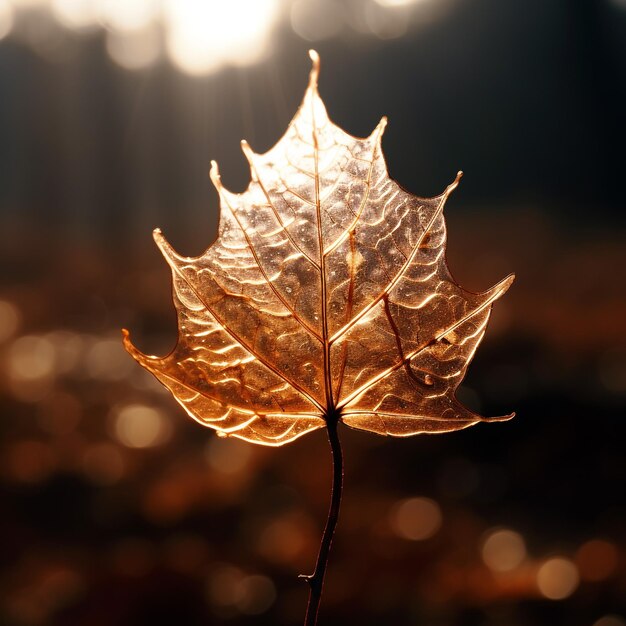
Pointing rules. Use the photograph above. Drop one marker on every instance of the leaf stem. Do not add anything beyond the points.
(316, 580)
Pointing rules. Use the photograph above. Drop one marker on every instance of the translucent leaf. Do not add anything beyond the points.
(325, 294)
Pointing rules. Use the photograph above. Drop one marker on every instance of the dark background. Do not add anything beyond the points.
(528, 98)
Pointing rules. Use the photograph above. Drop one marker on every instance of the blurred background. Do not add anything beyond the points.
(118, 509)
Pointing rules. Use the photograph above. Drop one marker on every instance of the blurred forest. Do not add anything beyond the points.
(116, 507)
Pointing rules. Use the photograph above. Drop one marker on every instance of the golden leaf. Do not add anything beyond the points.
(325, 296)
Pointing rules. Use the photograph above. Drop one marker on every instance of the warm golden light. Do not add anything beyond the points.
(31, 358)
(138, 426)
(199, 37)
(31, 366)
(503, 550)
(416, 519)
(203, 35)
(557, 578)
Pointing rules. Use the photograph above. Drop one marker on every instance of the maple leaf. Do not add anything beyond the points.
(326, 293)
(326, 297)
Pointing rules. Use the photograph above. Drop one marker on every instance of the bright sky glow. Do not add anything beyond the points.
(29, 4)
(315, 20)
(128, 15)
(6, 19)
(202, 36)
(76, 14)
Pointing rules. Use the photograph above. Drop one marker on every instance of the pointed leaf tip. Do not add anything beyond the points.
(501, 418)
(166, 249)
(128, 345)
(246, 149)
(506, 283)
(379, 131)
(453, 185)
(315, 69)
(214, 174)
